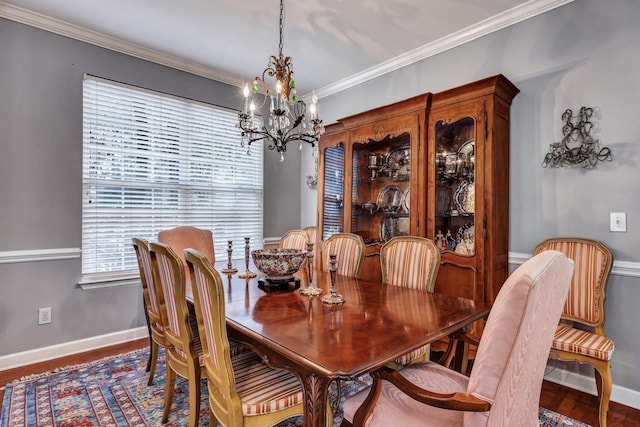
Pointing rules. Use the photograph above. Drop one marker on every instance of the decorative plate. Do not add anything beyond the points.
(406, 199)
(467, 149)
(466, 231)
(390, 198)
(392, 226)
(466, 237)
(398, 161)
(465, 197)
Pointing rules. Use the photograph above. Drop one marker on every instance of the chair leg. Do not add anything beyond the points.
(447, 358)
(604, 385)
(168, 393)
(194, 395)
(153, 361)
(146, 316)
(336, 404)
(461, 359)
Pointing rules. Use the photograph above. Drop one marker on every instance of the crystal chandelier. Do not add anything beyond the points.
(288, 119)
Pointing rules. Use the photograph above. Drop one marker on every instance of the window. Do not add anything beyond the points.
(333, 185)
(153, 161)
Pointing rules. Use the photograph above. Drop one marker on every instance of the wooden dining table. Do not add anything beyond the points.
(321, 343)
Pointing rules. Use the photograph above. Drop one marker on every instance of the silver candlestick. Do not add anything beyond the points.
(333, 298)
(311, 289)
(230, 268)
(247, 274)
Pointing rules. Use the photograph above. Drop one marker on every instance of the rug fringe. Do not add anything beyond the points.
(76, 366)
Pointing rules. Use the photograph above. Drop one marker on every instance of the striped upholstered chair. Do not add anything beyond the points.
(152, 310)
(183, 349)
(294, 239)
(412, 262)
(585, 306)
(349, 249)
(243, 391)
(312, 233)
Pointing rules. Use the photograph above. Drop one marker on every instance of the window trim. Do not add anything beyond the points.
(94, 279)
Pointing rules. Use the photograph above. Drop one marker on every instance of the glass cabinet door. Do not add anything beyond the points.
(381, 173)
(333, 191)
(455, 186)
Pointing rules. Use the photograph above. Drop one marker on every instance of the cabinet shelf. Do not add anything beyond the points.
(383, 178)
(447, 215)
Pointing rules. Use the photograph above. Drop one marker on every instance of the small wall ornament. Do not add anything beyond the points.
(577, 147)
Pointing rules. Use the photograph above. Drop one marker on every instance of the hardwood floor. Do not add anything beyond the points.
(575, 404)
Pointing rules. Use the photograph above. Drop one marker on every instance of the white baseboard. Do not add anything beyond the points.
(587, 384)
(65, 349)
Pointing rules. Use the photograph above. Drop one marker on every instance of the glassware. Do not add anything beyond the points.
(230, 268)
(311, 289)
(247, 274)
(333, 298)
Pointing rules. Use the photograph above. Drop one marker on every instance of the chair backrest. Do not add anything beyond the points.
(349, 250)
(208, 299)
(186, 236)
(312, 233)
(585, 303)
(512, 354)
(410, 261)
(294, 239)
(141, 246)
(168, 274)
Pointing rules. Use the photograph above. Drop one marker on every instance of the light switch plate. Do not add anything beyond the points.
(618, 221)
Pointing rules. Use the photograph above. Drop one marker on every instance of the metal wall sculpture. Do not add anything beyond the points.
(577, 147)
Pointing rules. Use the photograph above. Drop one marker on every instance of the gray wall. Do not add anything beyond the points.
(586, 53)
(40, 182)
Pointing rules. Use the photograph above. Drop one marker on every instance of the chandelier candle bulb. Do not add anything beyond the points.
(245, 92)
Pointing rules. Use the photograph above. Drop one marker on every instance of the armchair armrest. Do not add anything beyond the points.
(455, 401)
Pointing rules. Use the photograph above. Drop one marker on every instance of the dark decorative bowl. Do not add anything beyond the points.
(279, 264)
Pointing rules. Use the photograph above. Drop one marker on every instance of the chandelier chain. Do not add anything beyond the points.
(281, 45)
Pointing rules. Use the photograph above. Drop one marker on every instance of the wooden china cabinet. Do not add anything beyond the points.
(468, 186)
(435, 165)
(369, 181)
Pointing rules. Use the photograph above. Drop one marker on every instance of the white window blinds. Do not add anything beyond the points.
(153, 161)
(333, 186)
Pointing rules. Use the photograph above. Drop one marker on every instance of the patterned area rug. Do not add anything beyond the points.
(113, 392)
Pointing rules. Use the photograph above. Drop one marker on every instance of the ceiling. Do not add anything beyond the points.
(334, 43)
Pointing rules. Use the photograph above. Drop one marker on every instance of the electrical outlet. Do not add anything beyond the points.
(618, 221)
(44, 315)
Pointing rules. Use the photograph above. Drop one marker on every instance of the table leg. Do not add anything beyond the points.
(315, 390)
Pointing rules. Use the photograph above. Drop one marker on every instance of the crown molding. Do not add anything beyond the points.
(76, 32)
(510, 17)
(505, 19)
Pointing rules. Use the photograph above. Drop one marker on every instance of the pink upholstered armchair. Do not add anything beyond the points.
(506, 379)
